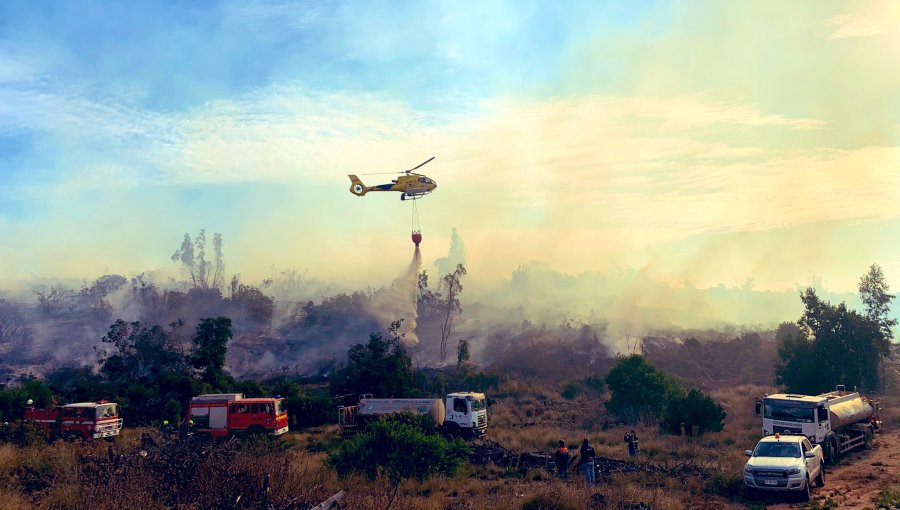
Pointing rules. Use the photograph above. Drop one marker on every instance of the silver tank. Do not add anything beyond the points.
(847, 412)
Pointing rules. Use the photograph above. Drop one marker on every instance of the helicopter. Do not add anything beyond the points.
(411, 185)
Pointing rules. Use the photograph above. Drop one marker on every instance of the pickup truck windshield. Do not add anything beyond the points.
(788, 413)
(777, 450)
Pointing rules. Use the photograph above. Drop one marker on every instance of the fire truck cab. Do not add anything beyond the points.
(83, 420)
(224, 414)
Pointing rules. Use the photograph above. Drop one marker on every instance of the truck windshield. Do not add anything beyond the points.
(788, 413)
(106, 411)
(279, 406)
(477, 405)
(776, 449)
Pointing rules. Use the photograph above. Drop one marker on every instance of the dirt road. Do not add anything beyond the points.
(856, 482)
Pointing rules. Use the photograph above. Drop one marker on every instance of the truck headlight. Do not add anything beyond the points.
(748, 470)
(794, 471)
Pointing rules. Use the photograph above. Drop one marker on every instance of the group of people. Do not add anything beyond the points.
(587, 456)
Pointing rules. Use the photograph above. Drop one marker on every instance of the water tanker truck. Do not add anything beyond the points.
(838, 420)
(464, 414)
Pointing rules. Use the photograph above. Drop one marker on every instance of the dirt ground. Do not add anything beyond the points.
(856, 481)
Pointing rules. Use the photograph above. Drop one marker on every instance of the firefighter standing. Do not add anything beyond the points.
(167, 430)
(632, 440)
(587, 462)
(561, 458)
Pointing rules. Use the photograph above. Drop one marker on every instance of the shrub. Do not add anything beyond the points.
(725, 485)
(572, 390)
(639, 389)
(695, 408)
(398, 447)
(548, 501)
(381, 367)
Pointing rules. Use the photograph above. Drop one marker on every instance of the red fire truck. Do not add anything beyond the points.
(226, 414)
(84, 420)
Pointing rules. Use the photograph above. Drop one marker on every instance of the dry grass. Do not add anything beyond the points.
(63, 476)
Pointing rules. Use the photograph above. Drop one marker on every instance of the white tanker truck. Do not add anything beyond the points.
(465, 413)
(838, 420)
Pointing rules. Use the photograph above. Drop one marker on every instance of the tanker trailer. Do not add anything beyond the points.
(465, 413)
(838, 420)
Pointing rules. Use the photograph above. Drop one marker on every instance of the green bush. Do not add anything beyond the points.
(725, 485)
(399, 447)
(381, 367)
(572, 390)
(12, 400)
(639, 389)
(695, 408)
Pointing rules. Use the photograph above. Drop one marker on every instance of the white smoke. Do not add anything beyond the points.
(399, 301)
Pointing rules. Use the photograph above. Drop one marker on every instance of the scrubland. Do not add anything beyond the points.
(192, 474)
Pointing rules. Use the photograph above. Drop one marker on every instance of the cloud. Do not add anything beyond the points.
(856, 25)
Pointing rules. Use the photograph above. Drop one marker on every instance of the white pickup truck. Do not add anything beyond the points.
(784, 464)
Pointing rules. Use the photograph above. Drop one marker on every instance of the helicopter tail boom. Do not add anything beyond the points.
(357, 187)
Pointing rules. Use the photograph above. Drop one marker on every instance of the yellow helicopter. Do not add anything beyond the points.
(411, 185)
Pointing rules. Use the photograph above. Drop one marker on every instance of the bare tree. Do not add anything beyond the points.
(219, 274)
(453, 284)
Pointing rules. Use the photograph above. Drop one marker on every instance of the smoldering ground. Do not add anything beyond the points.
(293, 322)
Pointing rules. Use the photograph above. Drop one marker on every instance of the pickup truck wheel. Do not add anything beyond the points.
(820, 478)
(804, 493)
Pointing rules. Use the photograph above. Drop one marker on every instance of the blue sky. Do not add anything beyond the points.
(649, 134)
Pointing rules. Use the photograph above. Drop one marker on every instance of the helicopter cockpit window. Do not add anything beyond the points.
(423, 180)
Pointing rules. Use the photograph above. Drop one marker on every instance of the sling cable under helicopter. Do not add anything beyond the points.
(412, 186)
(416, 226)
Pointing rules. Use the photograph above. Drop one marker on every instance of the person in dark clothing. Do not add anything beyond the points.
(587, 462)
(631, 440)
(561, 458)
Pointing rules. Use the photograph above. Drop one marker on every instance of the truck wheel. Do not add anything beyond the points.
(831, 452)
(868, 441)
(820, 479)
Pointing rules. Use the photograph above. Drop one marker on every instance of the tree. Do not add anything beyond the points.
(452, 283)
(381, 367)
(694, 409)
(252, 304)
(835, 345)
(796, 366)
(639, 390)
(399, 447)
(874, 293)
(141, 351)
(462, 353)
(210, 347)
(192, 256)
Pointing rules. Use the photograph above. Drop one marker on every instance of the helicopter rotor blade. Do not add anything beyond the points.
(383, 173)
(421, 164)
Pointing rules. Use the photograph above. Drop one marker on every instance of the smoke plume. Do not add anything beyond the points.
(398, 301)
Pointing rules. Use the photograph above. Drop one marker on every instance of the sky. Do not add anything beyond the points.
(702, 140)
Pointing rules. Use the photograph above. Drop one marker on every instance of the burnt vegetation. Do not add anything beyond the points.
(151, 345)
